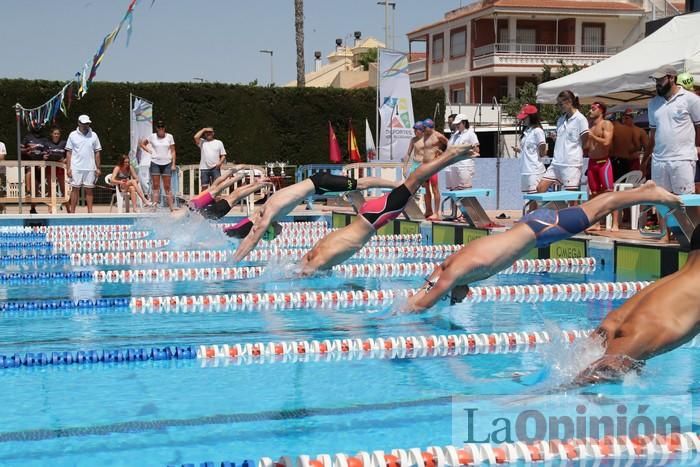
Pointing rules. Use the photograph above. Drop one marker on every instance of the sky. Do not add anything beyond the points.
(178, 40)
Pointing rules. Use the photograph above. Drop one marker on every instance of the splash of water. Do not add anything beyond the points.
(185, 230)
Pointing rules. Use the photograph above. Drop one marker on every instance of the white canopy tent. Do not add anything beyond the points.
(624, 77)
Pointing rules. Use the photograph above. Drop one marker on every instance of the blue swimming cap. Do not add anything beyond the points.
(429, 123)
(419, 126)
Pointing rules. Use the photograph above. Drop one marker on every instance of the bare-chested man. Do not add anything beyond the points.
(341, 244)
(434, 143)
(263, 223)
(414, 154)
(658, 319)
(486, 256)
(600, 137)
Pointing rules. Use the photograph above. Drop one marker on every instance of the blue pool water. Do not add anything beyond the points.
(180, 411)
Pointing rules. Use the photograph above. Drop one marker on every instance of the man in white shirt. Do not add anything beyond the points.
(674, 119)
(213, 156)
(459, 175)
(83, 161)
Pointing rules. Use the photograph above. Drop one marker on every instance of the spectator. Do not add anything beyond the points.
(213, 156)
(55, 151)
(162, 163)
(533, 146)
(628, 142)
(83, 151)
(572, 136)
(3, 180)
(674, 120)
(459, 175)
(433, 144)
(125, 179)
(33, 147)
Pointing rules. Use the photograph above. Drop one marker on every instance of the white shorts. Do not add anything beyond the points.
(459, 176)
(84, 178)
(675, 176)
(568, 177)
(529, 182)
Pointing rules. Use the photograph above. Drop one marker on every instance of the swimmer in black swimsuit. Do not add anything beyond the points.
(341, 244)
(486, 256)
(656, 320)
(285, 200)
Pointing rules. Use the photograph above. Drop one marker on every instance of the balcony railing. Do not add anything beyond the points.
(542, 49)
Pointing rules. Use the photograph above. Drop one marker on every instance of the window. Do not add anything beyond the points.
(438, 47)
(458, 94)
(527, 40)
(458, 42)
(593, 38)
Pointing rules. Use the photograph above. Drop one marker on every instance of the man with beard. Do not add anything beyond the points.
(674, 119)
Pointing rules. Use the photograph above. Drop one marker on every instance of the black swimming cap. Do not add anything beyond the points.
(458, 294)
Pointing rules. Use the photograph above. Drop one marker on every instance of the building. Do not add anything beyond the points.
(344, 68)
(486, 50)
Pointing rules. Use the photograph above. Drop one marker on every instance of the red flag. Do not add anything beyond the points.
(334, 147)
(353, 150)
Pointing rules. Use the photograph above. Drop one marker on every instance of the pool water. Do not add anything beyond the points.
(190, 411)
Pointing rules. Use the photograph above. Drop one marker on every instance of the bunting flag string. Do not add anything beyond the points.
(38, 117)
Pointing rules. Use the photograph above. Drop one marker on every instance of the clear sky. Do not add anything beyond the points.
(177, 40)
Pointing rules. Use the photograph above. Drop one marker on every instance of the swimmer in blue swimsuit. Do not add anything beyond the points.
(486, 256)
(656, 320)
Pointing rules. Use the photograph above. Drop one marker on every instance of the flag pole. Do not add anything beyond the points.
(20, 192)
(376, 107)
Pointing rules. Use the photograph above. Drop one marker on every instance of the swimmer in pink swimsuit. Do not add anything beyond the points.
(341, 244)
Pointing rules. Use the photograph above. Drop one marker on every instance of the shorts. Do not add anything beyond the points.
(600, 176)
(84, 178)
(697, 172)
(529, 182)
(622, 167)
(459, 176)
(325, 182)
(207, 176)
(165, 170)
(550, 225)
(675, 176)
(568, 177)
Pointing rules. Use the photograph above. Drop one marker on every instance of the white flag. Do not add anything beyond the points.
(395, 105)
(370, 148)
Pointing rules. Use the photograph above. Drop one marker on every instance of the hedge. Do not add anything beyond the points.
(256, 124)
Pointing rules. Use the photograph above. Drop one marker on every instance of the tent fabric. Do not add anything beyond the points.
(624, 77)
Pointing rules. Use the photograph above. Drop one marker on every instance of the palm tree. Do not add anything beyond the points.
(299, 29)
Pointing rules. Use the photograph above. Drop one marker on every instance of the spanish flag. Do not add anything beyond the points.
(334, 147)
(353, 150)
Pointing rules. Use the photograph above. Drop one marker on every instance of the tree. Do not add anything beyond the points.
(299, 29)
(368, 57)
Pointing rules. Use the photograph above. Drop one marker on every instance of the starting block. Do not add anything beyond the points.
(468, 203)
(679, 221)
(554, 199)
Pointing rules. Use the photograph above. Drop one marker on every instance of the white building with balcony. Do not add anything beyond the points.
(486, 50)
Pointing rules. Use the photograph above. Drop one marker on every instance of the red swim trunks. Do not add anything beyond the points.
(600, 176)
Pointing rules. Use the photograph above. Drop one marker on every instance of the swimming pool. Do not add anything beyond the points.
(262, 365)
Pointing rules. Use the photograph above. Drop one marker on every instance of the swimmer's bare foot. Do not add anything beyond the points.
(661, 196)
(593, 228)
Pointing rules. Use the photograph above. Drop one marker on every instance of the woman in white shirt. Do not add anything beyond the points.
(572, 135)
(162, 162)
(533, 146)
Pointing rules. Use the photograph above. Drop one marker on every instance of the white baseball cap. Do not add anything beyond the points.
(459, 118)
(84, 119)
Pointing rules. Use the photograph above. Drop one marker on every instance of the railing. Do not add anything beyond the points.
(44, 188)
(542, 49)
(189, 182)
(385, 170)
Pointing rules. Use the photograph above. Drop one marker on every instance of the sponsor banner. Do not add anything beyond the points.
(395, 106)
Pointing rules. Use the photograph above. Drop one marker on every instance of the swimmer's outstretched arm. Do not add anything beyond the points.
(260, 225)
(246, 190)
(438, 284)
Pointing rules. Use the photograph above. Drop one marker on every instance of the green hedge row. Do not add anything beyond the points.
(256, 124)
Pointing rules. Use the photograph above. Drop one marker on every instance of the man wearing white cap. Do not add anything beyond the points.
(83, 161)
(459, 175)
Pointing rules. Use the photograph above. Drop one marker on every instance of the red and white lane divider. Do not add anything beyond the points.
(471, 343)
(209, 256)
(654, 448)
(66, 228)
(303, 239)
(348, 271)
(350, 299)
(69, 235)
(69, 246)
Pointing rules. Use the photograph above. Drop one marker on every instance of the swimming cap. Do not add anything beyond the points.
(239, 230)
(686, 80)
(429, 123)
(272, 231)
(458, 294)
(695, 241)
(419, 126)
